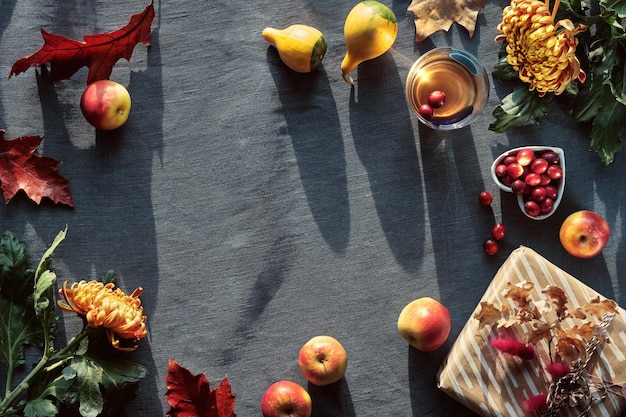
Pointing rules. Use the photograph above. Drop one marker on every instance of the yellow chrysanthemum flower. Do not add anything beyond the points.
(106, 306)
(541, 51)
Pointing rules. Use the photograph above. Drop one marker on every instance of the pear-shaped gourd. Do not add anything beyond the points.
(370, 30)
(300, 47)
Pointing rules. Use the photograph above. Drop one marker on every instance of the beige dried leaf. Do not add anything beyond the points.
(488, 314)
(596, 308)
(434, 15)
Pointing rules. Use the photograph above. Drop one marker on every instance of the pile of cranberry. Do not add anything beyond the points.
(535, 175)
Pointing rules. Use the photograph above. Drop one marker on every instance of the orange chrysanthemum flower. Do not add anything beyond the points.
(541, 51)
(106, 306)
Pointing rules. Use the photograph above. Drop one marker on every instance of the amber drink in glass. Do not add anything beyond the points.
(462, 79)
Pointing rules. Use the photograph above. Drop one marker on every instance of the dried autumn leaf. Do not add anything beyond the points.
(22, 169)
(488, 314)
(560, 299)
(569, 346)
(596, 308)
(434, 15)
(584, 331)
(540, 331)
(190, 395)
(98, 52)
(520, 294)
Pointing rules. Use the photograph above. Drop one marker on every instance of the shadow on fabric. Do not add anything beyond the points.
(313, 126)
(111, 185)
(331, 400)
(423, 389)
(385, 144)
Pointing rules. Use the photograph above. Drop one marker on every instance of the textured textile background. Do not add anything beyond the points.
(258, 207)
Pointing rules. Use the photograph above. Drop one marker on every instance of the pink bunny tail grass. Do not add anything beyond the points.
(557, 370)
(535, 403)
(513, 347)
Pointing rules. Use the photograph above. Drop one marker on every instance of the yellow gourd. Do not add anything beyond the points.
(370, 30)
(300, 47)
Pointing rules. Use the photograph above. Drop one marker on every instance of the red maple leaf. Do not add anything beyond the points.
(190, 395)
(22, 169)
(98, 52)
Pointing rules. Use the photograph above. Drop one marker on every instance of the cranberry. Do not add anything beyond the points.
(546, 205)
(532, 208)
(533, 179)
(500, 170)
(551, 157)
(490, 246)
(509, 159)
(538, 194)
(485, 198)
(551, 192)
(436, 99)
(498, 230)
(555, 172)
(514, 170)
(539, 165)
(518, 186)
(525, 156)
(425, 111)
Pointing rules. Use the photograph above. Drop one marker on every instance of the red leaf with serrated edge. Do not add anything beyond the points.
(190, 395)
(22, 169)
(98, 52)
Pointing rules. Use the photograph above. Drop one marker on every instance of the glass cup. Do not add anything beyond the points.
(462, 79)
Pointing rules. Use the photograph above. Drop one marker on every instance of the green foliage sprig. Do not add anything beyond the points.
(86, 377)
(600, 101)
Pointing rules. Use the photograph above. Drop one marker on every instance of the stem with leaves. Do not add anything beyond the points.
(46, 364)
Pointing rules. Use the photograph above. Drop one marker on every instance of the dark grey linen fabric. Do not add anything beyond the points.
(258, 207)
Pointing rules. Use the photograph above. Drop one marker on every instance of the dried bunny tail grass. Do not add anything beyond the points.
(513, 347)
(535, 404)
(557, 370)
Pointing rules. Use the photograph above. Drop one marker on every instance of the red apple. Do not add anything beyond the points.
(323, 360)
(425, 324)
(105, 104)
(584, 234)
(286, 399)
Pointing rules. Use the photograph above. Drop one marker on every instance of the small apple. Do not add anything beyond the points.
(286, 399)
(323, 360)
(105, 104)
(584, 234)
(425, 324)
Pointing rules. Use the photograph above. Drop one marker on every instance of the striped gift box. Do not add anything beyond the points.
(492, 384)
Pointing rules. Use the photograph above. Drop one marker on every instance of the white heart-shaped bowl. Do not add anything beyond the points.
(559, 184)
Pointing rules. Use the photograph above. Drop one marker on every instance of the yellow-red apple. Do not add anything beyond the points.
(323, 360)
(425, 324)
(584, 234)
(105, 104)
(286, 399)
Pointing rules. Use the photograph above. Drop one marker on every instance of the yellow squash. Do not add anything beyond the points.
(370, 30)
(300, 47)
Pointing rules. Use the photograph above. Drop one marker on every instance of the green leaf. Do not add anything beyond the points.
(114, 379)
(40, 408)
(520, 108)
(618, 82)
(18, 327)
(590, 100)
(109, 277)
(618, 6)
(15, 278)
(43, 294)
(608, 127)
(502, 70)
(44, 263)
(88, 376)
